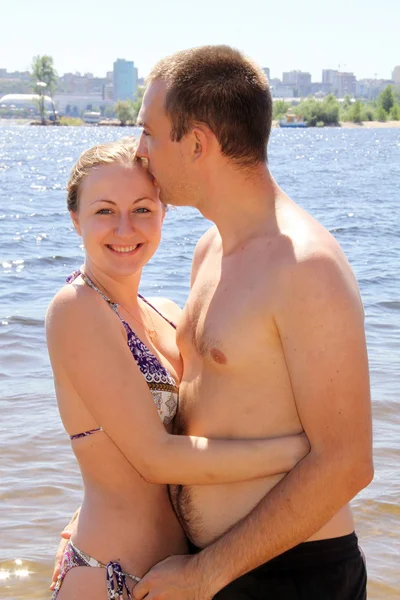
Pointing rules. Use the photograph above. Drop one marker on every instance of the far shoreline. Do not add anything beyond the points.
(351, 125)
(275, 124)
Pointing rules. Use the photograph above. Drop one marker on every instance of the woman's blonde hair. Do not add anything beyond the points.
(121, 152)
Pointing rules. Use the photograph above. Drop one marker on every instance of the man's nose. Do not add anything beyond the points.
(142, 148)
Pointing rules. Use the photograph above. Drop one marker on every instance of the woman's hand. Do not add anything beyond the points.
(65, 536)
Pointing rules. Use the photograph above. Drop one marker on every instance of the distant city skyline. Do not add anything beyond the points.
(268, 71)
(87, 37)
(272, 73)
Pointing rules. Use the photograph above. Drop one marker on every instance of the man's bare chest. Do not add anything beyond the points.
(227, 314)
(235, 376)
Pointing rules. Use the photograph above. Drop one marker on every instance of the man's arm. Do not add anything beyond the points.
(320, 320)
(321, 325)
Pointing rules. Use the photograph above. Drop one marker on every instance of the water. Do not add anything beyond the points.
(348, 179)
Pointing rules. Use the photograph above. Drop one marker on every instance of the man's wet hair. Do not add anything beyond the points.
(219, 87)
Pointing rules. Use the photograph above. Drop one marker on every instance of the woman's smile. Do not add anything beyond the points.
(124, 250)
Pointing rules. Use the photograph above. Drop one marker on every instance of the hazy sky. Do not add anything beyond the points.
(309, 35)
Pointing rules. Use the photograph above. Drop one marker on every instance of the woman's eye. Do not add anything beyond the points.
(104, 211)
(142, 210)
(146, 133)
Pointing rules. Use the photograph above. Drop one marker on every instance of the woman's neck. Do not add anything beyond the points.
(123, 291)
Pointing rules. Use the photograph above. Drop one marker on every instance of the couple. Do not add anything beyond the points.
(269, 345)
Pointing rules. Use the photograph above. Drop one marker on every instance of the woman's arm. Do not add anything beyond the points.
(200, 460)
(89, 348)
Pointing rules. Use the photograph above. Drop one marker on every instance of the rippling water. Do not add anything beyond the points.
(349, 180)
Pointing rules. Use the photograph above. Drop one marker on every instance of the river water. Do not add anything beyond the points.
(348, 179)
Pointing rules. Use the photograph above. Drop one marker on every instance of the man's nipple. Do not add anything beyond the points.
(218, 356)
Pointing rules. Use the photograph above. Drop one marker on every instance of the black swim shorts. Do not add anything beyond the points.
(332, 569)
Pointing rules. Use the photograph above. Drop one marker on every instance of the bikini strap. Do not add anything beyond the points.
(114, 305)
(157, 311)
(94, 287)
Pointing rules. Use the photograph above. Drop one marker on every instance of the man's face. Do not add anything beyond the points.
(167, 159)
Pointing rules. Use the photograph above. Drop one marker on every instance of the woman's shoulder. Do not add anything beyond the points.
(168, 308)
(72, 305)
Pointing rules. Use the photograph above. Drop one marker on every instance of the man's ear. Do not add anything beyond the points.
(200, 142)
(75, 222)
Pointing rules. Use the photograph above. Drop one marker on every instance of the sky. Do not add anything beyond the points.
(308, 35)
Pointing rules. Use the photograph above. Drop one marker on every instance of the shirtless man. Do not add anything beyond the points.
(273, 342)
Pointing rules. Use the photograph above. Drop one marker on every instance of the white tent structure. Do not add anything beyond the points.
(25, 101)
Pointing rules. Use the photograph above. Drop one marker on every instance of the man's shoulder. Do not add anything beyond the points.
(317, 267)
(306, 256)
(206, 241)
(202, 248)
(304, 241)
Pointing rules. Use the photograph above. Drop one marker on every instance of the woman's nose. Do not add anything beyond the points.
(124, 227)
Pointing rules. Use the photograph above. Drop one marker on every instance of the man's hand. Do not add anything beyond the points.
(65, 536)
(175, 578)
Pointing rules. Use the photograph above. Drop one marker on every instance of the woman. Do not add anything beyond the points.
(116, 370)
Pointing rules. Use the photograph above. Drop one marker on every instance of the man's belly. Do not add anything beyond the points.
(257, 404)
(207, 512)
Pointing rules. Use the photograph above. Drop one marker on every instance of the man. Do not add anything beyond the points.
(273, 342)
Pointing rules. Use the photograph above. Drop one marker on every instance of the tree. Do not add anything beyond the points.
(280, 108)
(395, 112)
(44, 78)
(367, 113)
(314, 111)
(330, 110)
(347, 101)
(381, 114)
(356, 111)
(125, 111)
(386, 98)
(310, 110)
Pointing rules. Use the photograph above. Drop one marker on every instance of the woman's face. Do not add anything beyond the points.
(119, 218)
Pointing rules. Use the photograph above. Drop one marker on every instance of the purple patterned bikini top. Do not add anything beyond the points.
(161, 383)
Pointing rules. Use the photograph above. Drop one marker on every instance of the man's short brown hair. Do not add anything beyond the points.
(220, 87)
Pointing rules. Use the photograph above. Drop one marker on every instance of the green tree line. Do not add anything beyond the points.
(330, 111)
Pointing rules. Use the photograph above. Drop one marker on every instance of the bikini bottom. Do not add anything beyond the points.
(116, 577)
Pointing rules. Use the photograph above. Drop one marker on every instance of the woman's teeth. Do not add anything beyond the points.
(123, 248)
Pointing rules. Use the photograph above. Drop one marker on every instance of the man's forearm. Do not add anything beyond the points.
(299, 505)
